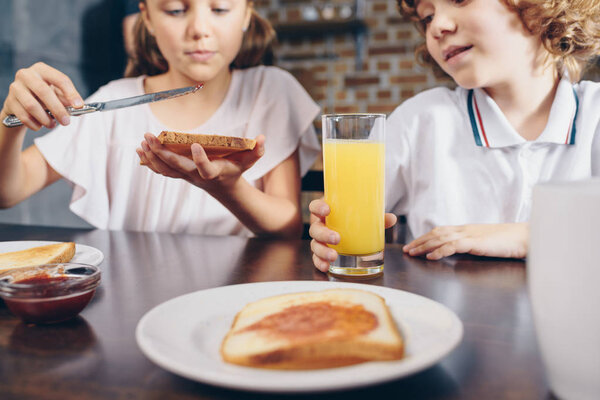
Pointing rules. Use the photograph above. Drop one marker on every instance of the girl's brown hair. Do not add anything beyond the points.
(568, 29)
(147, 59)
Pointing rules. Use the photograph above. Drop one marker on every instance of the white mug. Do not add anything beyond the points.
(563, 270)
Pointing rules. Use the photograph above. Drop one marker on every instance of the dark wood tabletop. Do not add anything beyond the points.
(95, 356)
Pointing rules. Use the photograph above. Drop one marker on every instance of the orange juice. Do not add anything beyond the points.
(354, 189)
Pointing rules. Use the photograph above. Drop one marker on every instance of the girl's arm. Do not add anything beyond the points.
(35, 90)
(22, 173)
(273, 211)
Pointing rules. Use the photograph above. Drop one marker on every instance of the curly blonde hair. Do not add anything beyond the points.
(569, 30)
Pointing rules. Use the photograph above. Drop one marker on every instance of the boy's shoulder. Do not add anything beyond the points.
(588, 96)
(430, 103)
(588, 91)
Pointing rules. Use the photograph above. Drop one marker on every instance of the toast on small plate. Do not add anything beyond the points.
(47, 254)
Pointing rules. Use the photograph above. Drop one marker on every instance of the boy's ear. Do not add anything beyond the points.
(146, 18)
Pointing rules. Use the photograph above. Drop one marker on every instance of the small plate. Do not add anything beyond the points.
(83, 254)
(183, 335)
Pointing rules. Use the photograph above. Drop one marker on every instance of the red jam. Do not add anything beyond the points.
(50, 303)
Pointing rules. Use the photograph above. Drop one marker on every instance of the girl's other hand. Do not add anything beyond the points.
(322, 236)
(215, 175)
(37, 89)
(490, 240)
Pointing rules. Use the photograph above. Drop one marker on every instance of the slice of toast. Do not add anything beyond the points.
(312, 330)
(48, 254)
(215, 146)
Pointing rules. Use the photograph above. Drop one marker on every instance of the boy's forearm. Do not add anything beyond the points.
(263, 214)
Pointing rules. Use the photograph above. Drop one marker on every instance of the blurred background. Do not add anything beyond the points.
(350, 55)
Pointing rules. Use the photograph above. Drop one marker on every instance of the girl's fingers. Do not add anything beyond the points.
(142, 156)
(248, 158)
(31, 106)
(37, 82)
(47, 96)
(173, 161)
(157, 165)
(17, 109)
(63, 99)
(206, 169)
(62, 82)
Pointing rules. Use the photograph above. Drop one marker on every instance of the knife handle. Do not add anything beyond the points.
(11, 121)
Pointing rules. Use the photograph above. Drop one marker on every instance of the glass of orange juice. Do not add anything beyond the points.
(354, 169)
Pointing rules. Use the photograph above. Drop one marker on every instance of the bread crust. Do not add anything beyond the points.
(339, 335)
(215, 146)
(47, 254)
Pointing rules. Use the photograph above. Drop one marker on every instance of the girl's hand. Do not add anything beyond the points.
(322, 236)
(37, 89)
(491, 240)
(219, 174)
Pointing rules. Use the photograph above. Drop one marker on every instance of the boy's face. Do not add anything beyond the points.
(479, 43)
(198, 38)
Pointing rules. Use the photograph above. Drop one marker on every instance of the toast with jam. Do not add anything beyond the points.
(312, 330)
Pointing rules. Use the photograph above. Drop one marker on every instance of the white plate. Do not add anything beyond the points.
(183, 335)
(83, 254)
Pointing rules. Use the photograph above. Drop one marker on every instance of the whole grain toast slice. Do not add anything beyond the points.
(215, 146)
(313, 330)
(47, 254)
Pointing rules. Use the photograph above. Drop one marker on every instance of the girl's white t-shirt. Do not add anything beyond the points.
(111, 190)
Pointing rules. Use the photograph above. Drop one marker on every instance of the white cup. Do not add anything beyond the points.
(563, 270)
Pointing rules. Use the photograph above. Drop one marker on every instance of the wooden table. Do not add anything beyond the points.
(96, 356)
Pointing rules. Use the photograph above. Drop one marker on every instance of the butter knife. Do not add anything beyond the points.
(12, 121)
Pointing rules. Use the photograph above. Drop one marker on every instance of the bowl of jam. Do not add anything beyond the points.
(45, 294)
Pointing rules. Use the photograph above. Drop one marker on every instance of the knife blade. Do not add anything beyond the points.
(12, 121)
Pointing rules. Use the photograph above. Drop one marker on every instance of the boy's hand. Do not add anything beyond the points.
(322, 255)
(322, 236)
(490, 240)
(209, 175)
(37, 89)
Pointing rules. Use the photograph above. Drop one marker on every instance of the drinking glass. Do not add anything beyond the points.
(354, 169)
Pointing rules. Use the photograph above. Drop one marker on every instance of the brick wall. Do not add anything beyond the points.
(326, 63)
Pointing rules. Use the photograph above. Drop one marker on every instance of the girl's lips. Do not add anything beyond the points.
(200, 56)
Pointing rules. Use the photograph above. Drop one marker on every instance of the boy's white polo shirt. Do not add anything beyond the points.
(452, 157)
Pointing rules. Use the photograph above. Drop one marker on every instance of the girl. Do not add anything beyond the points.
(472, 155)
(178, 43)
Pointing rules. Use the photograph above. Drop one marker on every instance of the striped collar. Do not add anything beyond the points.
(492, 129)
